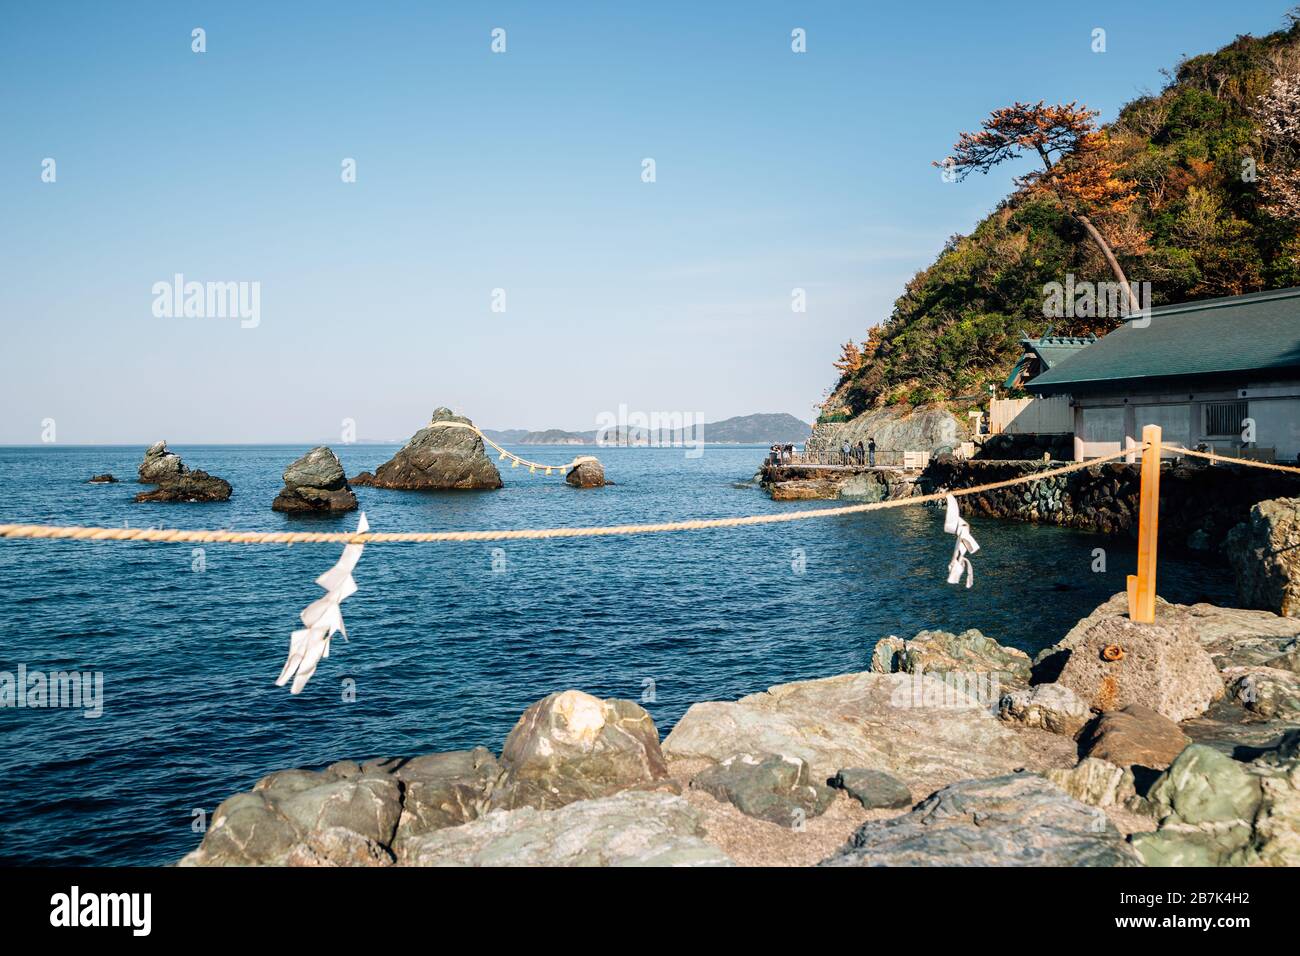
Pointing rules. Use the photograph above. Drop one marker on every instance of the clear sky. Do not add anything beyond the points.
(519, 171)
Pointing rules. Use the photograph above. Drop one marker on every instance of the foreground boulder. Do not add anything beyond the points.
(933, 652)
(917, 727)
(1136, 736)
(587, 473)
(1116, 662)
(874, 789)
(439, 457)
(1019, 819)
(628, 829)
(1216, 811)
(771, 787)
(1051, 707)
(159, 464)
(189, 486)
(1264, 552)
(315, 483)
(572, 746)
(341, 816)
(1096, 782)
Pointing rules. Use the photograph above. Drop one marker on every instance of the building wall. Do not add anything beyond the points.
(1104, 424)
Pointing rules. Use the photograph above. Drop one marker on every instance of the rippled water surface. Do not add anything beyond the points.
(445, 651)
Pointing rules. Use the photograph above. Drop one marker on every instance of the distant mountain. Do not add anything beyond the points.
(740, 430)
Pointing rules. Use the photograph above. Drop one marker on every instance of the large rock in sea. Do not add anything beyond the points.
(175, 481)
(969, 652)
(587, 473)
(627, 829)
(189, 486)
(1019, 819)
(1114, 662)
(159, 464)
(440, 457)
(921, 729)
(572, 746)
(315, 483)
(1264, 552)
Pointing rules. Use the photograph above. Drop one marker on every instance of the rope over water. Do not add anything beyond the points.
(76, 533)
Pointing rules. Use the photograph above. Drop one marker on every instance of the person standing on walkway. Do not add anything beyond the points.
(871, 452)
(844, 451)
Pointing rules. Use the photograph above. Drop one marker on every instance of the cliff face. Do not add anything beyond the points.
(1200, 163)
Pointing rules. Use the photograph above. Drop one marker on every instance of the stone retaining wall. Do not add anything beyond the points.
(1198, 505)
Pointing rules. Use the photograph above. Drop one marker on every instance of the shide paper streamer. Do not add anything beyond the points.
(954, 523)
(322, 617)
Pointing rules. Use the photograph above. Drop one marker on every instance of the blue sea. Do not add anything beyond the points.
(449, 642)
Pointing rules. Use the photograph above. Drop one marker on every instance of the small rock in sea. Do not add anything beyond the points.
(769, 787)
(189, 486)
(159, 464)
(587, 473)
(315, 483)
(104, 479)
(874, 789)
(362, 479)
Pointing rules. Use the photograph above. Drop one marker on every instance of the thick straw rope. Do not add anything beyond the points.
(1223, 460)
(521, 534)
(532, 465)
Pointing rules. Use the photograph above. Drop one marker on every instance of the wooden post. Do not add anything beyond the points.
(1142, 586)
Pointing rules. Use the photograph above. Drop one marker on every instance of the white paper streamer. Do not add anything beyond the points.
(322, 618)
(954, 523)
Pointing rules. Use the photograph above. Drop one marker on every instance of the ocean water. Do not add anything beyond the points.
(449, 642)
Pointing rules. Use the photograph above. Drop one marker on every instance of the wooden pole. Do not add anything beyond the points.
(1142, 586)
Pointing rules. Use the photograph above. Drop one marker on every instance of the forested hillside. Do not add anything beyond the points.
(1196, 189)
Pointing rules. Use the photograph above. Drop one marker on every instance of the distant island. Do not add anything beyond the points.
(763, 429)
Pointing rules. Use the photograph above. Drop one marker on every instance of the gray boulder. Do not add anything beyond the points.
(315, 483)
(572, 746)
(1096, 782)
(443, 790)
(934, 652)
(874, 789)
(1014, 820)
(1264, 552)
(1136, 736)
(627, 829)
(1268, 692)
(159, 464)
(770, 787)
(1116, 662)
(916, 727)
(1051, 707)
(587, 473)
(440, 458)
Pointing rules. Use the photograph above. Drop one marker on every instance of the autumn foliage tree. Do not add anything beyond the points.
(1076, 169)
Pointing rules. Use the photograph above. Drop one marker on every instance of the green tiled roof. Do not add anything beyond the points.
(1259, 332)
(1055, 349)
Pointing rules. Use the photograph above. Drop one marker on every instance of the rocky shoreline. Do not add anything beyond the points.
(1121, 745)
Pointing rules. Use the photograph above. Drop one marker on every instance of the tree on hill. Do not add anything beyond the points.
(1076, 168)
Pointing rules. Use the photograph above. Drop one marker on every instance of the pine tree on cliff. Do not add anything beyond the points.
(1076, 169)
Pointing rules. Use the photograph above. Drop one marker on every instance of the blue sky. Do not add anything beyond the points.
(518, 171)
